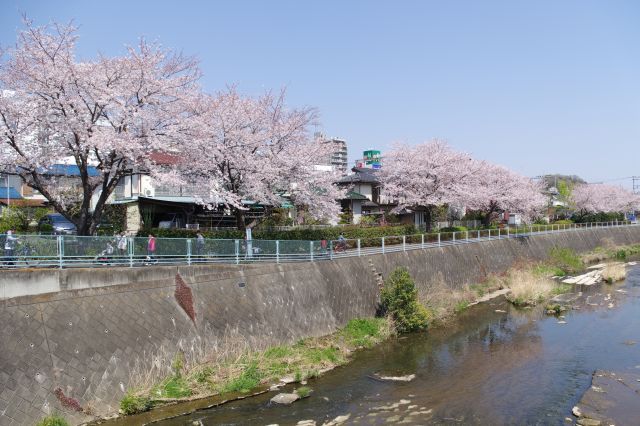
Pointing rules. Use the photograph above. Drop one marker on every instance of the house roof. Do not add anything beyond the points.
(370, 204)
(165, 158)
(12, 193)
(24, 202)
(353, 195)
(360, 175)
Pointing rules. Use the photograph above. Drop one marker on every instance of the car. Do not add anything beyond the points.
(57, 224)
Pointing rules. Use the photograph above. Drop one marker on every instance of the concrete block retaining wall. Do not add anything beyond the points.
(83, 331)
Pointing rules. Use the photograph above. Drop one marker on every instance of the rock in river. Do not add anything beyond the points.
(406, 378)
(285, 398)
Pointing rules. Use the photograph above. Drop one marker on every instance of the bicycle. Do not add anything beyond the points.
(27, 255)
(340, 246)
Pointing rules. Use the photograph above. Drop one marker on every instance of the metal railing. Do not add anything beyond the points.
(67, 251)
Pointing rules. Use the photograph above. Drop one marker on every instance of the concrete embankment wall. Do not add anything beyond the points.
(75, 336)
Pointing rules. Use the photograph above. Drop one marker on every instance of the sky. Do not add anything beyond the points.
(540, 87)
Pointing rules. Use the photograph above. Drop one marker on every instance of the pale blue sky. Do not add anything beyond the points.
(540, 86)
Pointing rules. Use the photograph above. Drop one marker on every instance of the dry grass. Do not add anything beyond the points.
(595, 256)
(527, 287)
(614, 272)
(442, 300)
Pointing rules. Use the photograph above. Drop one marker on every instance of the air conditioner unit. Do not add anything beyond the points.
(148, 193)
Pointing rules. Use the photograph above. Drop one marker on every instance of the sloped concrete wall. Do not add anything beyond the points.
(85, 338)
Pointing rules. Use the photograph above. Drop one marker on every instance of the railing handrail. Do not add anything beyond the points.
(75, 251)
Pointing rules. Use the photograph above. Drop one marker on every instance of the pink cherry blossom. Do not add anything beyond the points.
(110, 113)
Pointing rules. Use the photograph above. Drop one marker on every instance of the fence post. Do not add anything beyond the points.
(60, 250)
(188, 251)
(454, 236)
(438, 239)
(311, 250)
(331, 249)
(131, 248)
(404, 243)
(467, 235)
(508, 231)
(422, 243)
(237, 251)
(382, 245)
(359, 254)
(498, 233)
(277, 251)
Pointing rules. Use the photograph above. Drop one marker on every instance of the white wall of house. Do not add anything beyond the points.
(364, 189)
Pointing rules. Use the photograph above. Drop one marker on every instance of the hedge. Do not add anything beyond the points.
(329, 233)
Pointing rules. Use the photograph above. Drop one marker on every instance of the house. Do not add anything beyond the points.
(363, 194)
(66, 176)
(366, 197)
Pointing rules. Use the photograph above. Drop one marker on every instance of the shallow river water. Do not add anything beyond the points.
(487, 368)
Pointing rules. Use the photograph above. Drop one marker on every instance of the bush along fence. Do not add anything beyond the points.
(64, 251)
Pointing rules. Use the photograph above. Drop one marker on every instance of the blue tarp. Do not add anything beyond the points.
(64, 170)
(68, 170)
(13, 194)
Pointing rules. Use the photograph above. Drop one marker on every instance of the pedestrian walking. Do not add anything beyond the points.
(122, 245)
(9, 247)
(151, 249)
(199, 244)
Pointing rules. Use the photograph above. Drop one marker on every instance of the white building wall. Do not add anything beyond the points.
(364, 189)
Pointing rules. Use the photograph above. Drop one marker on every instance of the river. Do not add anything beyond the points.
(487, 368)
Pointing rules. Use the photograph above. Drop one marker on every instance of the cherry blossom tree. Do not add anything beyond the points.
(603, 198)
(497, 189)
(427, 175)
(110, 113)
(255, 149)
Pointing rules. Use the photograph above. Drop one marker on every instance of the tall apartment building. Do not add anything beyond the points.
(338, 158)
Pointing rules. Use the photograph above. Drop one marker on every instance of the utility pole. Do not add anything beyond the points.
(636, 184)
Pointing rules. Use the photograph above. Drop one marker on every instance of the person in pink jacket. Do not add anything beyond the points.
(151, 248)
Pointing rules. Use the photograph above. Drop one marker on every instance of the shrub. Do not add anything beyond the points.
(328, 233)
(13, 218)
(454, 229)
(133, 404)
(620, 254)
(399, 299)
(53, 420)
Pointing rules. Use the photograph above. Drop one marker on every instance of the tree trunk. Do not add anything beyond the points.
(240, 222)
(486, 219)
(428, 218)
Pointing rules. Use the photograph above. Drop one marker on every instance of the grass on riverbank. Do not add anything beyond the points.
(247, 370)
(53, 420)
(610, 251)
